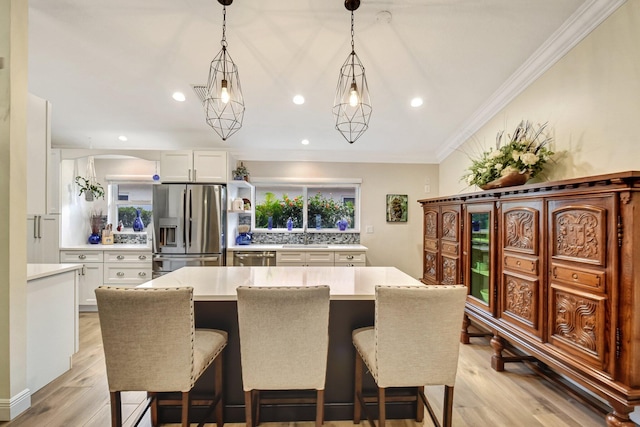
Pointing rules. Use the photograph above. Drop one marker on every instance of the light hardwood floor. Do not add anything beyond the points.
(483, 397)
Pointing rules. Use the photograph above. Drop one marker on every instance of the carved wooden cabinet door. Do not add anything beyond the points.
(521, 258)
(441, 250)
(449, 261)
(582, 257)
(479, 266)
(430, 245)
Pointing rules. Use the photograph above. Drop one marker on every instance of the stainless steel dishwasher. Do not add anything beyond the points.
(254, 258)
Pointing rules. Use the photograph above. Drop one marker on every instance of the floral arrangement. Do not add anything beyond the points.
(241, 172)
(526, 152)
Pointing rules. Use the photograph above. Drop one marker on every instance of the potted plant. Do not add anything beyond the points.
(240, 173)
(90, 189)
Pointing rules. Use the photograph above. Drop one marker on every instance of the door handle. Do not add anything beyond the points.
(35, 226)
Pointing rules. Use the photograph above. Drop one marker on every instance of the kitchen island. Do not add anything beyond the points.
(352, 296)
(52, 321)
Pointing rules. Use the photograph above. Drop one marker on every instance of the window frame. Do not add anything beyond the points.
(269, 184)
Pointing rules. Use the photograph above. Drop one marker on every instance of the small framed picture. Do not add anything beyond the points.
(397, 207)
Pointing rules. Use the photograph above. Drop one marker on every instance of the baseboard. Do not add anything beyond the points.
(11, 408)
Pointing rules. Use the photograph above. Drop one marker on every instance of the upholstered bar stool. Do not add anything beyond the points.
(151, 344)
(284, 340)
(415, 342)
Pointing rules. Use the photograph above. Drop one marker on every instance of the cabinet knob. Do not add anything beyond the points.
(142, 257)
(142, 274)
(575, 276)
(349, 256)
(119, 274)
(83, 256)
(120, 257)
(518, 263)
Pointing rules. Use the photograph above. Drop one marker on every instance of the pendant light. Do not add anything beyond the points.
(223, 102)
(352, 104)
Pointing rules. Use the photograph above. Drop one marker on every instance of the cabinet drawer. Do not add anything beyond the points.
(117, 273)
(80, 256)
(591, 279)
(320, 258)
(521, 264)
(295, 257)
(113, 256)
(351, 257)
(350, 264)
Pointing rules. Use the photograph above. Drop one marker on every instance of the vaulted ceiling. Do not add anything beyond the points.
(109, 68)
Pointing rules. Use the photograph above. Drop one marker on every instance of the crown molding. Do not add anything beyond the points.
(584, 20)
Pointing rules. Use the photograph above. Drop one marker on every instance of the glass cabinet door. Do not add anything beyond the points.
(479, 261)
(479, 256)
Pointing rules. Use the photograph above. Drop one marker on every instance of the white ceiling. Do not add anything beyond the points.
(110, 67)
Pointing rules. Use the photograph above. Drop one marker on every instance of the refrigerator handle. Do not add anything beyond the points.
(184, 217)
(190, 216)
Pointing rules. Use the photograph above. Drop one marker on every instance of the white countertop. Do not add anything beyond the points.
(295, 247)
(101, 247)
(38, 271)
(220, 283)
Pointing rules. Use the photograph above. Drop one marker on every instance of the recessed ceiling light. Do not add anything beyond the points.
(123, 138)
(178, 96)
(298, 99)
(416, 102)
(305, 142)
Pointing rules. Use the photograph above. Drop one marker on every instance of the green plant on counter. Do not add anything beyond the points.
(90, 189)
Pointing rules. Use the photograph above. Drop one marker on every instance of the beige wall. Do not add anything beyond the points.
(390, 244)
(13, 206)
(591, 99)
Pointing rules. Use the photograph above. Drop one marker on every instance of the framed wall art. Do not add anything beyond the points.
(397, 207)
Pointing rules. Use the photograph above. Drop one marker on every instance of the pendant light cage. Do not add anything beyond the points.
(223, 101)
(352, 103)
(352, 121)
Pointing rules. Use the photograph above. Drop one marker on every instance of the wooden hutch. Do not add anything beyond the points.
(553, 269)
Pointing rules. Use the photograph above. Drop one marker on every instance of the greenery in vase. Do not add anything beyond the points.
(524, 152)
(89, 187)
(240, 172)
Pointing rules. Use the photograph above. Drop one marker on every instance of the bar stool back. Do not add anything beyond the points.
(151, 344)
(414, 342)
(284, 340)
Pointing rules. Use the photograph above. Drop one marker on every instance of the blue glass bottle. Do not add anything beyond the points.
(137, 223)
(289, 224)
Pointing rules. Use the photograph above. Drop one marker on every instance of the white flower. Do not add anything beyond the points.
(470, 179)
(529, 159)
(516, 155)
(498, 166)
(495, 154)
(508, 171)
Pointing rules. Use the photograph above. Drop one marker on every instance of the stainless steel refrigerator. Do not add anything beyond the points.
(188, 227)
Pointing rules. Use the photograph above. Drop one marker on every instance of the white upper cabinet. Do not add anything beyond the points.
(193, 166)
(43, 164)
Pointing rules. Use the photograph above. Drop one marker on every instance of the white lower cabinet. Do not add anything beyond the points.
(108, 267)
(320, 259)
(89, 277)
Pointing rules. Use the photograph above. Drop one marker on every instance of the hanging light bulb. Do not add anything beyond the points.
(352, 105)
(354, 99)
(223, 101)
(224, 92)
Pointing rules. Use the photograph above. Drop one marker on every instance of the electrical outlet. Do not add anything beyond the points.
(427, 188)
(370, 229)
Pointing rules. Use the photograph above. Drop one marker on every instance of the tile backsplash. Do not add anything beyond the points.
(132, 238)
(311, 238)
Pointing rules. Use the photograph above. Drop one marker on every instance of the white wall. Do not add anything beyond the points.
(390, 244)
(591, 99)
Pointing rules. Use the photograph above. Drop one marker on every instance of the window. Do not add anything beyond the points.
(310, 207)
(124, 201)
